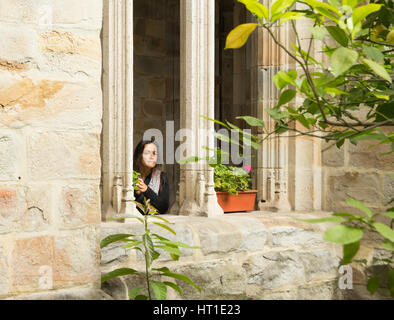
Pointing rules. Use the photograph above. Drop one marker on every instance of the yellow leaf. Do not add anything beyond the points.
(239, 35)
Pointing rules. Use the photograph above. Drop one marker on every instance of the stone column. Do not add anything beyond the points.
(196, 194)
(271, 163)
(118, 108)
(288, 169)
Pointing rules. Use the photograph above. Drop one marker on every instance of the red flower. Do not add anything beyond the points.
(248, 168)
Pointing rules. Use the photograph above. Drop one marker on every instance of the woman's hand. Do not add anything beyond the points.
(141, 185)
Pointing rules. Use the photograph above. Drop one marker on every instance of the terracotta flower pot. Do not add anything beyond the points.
(243, 201)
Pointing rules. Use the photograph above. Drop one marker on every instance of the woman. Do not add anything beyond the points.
(153, 183)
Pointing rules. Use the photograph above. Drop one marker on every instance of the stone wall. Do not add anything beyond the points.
(241, 256)
(358, 172)
(50, 124)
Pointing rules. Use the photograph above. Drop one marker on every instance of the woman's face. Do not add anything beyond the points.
(149, 156)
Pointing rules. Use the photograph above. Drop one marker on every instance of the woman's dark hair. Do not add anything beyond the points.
(137, 159)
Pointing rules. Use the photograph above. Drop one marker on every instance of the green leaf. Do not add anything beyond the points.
(163, 269)
(349, 252)
(159, 289)
(282, 79)
(182, 278)
(239, 35)
(170, 249)
(343, 214)
(225, 138)
(343, 234)
(118, 273)
(286, 96)
(351, 3)
(288, 15)
(359, 205)
(384, 230)
(165, 227)
(114, 238)
(319, 4)
(338, 35)
(180, 244)
(132, 243)
(373, 284)
(124, 216)
(342, 60)
(276, 114)
(256, 8)
(280, 5)
(141, 297)
(388, 245)
(253, 122)
(389, 214)
(318, 32)
(162, 219)
(173, 286)
(320, 220)
(378, 69)
(373, 53)
(216, 121)
(150, 251)
(362, 12)
(133, 292)
(189, 160)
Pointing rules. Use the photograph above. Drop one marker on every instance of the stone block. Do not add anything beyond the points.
(86, 14)
(283, 236)
(30, 259)
(115, 288)
(319, 264)
(362, 156)
(253, 232)
(10, 150)
(76, 257)
(273, 270)
(219, 279)
(66, 294)
(79, 205)
(323, 291)
(352, 184)
(80, 155)
(51, 104)
(77, 43)
(21, 42)
(70, 67)
(3, 272)
(36, 215)
(333, 157)
(12, 205)
(218, 236)
(48, 262)
(289, 294)
(388, 189)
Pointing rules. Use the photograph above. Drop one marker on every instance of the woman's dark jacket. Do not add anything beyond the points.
(160, 201)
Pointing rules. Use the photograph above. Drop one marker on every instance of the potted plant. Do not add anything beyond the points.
(232, 188)
(232, 184)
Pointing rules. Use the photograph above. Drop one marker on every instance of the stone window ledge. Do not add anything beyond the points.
(241, 255)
